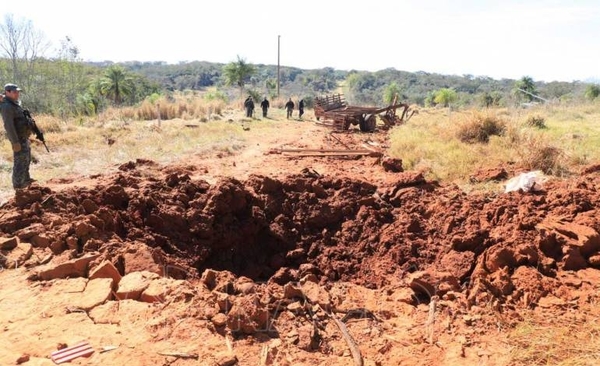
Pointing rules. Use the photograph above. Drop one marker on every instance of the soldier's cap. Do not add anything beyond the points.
(11, 87)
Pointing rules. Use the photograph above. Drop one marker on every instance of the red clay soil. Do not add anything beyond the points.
(183, 265)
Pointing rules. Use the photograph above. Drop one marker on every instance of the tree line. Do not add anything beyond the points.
(65, 85)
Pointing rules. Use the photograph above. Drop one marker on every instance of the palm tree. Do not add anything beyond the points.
(526, 86)
(390, 92)
(238, 72)
(116, 84)
(445, 96)
(86, 104)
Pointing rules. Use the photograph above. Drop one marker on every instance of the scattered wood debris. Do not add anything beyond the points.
(330, 152)
(183, 355)
(356, 355)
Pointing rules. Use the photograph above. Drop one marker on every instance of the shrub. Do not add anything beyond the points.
(213, 95)
(478, 127)
(546, 159)
(535, 120)
(536, 153)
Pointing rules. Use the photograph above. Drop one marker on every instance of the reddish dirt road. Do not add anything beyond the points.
(261, 258)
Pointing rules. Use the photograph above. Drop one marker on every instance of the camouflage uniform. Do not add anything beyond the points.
(290, 108)
(265, 106)
(249, 104)
(18, 131)
(301, 108)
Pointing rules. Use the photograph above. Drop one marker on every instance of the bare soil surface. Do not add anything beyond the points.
(263, 257)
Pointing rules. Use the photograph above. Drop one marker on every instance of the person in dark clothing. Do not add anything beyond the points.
(18, 131)
(289, 106)
(300, 108)
(265, 106)
(249, 104)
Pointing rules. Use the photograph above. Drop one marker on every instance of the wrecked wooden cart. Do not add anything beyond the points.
(336, 113)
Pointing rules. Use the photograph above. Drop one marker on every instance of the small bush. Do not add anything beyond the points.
(513, 133)
(535, 120)
(546, 159)
(213, 95)
(478, 127)
(536, 153)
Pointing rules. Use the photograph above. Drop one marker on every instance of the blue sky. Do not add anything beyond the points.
(547, 40)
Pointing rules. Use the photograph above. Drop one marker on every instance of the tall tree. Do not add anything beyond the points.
(92, 100)
(116, 84)
(445, 96)
(72, 76)
(22, 44)
(238, 73)
(525, 88)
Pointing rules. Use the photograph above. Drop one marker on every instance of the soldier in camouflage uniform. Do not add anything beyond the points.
(249, 104)
(289, 106)
(265, 106)
(18, 131)
(300, 108)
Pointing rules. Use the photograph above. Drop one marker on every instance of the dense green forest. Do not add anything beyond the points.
(76, 87)
(360, 87)
(64, 85)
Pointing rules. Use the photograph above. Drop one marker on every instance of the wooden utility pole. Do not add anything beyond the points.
(533, 95)
(278, 38)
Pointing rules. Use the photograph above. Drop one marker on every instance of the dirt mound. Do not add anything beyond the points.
(342, 229)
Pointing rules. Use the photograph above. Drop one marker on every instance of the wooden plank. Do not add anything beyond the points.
(330, 123)
(347, 153)
(324, 150)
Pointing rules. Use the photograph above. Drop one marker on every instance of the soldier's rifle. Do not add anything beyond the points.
(34, 127)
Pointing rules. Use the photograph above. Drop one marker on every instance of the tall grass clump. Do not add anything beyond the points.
(535, 151)
(477, 127)
(178, 106)
(535, 120)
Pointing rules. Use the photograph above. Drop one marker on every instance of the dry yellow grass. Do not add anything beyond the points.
(570, 341)
(86, 146)
(478, 127)
(183, 106)
(431, 141)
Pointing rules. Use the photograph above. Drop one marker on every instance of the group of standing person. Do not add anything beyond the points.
(265, 105)
(289, 106)
(249, 105)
